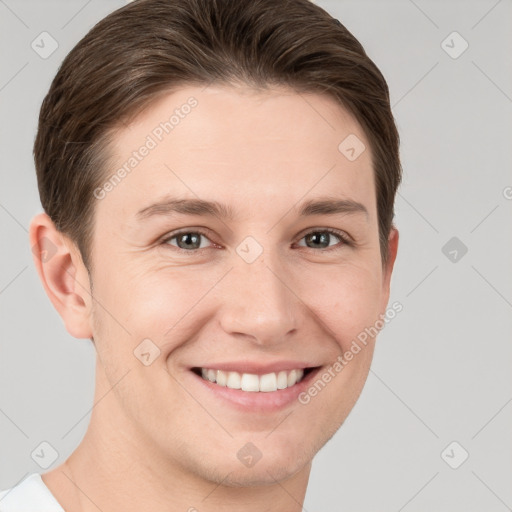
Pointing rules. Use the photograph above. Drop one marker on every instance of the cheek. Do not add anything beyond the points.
(164, 305)
(346, 301)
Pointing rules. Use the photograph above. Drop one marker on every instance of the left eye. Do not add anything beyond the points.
(191, 240)
(323, 237)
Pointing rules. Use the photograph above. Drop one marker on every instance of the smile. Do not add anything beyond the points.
(251, 382)
(252, 388)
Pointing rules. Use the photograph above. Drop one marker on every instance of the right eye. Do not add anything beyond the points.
(188, 241)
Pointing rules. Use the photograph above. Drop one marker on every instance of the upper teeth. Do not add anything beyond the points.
(252, 382)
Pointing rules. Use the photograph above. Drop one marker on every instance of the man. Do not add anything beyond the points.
(218, 180)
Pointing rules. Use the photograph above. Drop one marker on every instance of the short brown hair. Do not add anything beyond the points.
(151, 47)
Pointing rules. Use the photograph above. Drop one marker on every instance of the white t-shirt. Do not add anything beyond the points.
(30, 495)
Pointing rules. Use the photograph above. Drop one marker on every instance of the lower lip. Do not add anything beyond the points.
(257, 401)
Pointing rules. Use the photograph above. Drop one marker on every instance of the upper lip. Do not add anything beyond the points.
(257, 368)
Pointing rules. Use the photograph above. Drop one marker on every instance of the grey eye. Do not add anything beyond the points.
(320, 239)
(188, 241)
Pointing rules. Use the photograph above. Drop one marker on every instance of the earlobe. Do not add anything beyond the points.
(63, 275)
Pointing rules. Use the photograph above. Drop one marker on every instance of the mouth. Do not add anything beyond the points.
(252, 382)
(253, 392)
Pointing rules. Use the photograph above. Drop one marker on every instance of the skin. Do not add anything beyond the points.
(157, 440)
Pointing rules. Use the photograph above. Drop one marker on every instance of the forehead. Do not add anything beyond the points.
(239, 146)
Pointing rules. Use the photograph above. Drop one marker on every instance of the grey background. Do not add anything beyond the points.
(441, 371)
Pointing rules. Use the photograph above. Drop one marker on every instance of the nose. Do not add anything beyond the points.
(258, 303)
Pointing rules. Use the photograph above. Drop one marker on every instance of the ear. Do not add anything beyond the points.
(63, 274)
(388, 267)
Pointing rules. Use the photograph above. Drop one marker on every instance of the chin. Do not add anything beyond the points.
(262, 474)
(277, 463)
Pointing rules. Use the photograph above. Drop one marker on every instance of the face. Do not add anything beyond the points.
(257, 288)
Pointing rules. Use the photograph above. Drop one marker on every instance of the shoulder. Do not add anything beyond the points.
(29, 494)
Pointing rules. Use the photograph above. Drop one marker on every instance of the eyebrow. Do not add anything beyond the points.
(319, 206)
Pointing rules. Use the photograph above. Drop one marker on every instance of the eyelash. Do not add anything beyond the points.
(340, 234)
